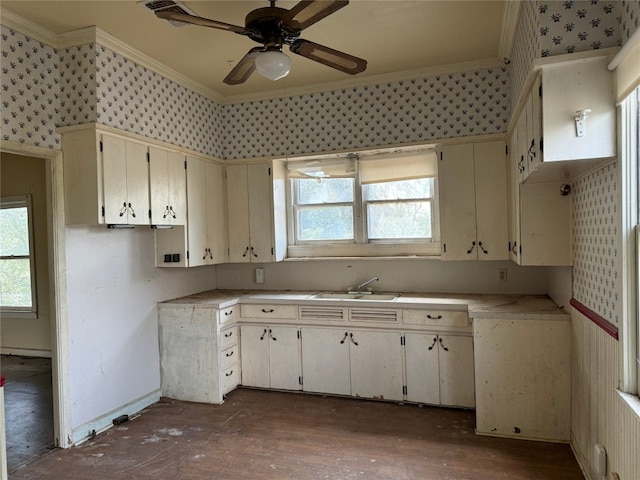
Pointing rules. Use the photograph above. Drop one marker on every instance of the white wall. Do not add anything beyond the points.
(397, 275)
(21, 175)
(113, 287)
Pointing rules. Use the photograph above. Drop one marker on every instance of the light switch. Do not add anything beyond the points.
(259, 275)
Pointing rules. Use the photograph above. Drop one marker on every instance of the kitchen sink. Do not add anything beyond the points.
(356, 296)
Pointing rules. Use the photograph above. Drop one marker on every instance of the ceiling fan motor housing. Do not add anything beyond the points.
(265, 26)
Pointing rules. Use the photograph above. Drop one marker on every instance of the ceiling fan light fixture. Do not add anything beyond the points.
(273, 64)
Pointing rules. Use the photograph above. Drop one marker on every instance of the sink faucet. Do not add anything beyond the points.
(359, 288)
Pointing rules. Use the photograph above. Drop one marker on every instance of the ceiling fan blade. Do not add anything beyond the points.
(204, 22)
(245, 67)
(308, 12)
(329, 57)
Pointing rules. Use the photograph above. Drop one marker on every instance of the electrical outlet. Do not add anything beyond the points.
(502, 274)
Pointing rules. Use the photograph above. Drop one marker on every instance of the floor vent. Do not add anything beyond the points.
(170, 6)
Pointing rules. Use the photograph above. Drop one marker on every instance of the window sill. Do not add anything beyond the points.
(18, 315)
(389, 257)
(632, 401)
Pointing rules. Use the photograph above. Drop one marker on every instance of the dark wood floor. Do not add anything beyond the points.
(28, 400)
(260, 435)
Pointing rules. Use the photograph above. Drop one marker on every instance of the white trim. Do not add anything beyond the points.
(84, 432)
(25, 352)
(509, 22)
(26, 27)
(58, 285)
(625, 50)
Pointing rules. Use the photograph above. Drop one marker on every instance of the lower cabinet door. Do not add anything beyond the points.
(423, 377)
(457, 381)
(376, 364)
(325, 360)
(284, 358)
(255, 356)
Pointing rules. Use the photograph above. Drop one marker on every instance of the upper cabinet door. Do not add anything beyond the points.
(456, 188)
(125, 174)
(491, 200)
(260, 212)
(216, 224)
(197, 215)
(238, 213)
(168, 187)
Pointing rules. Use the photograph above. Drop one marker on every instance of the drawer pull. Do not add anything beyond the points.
(227, 335)
(264, 310)
(229, 354)
(228, 374)
(228, 313)
(434, 318)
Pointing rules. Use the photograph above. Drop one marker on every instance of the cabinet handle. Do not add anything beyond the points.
(246, 250)
(172, 212)
(435, 340)
(532, 151)
(228, 313)
(514, 250)
(253, 253)
(434, 318)
(264, 310)
(166, 212)
(227, 335)
(263, 334)
(229, 354)
(206, 252)
(352, 340)
(484, 250)
(133, 212)
(210, 254)
(271, 336)
(228, 374)
(442, 345)
(346, 334)
(473, 245)
(521, 167)
(123, 210)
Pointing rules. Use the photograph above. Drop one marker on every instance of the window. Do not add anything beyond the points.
(17, 278)
(629, 121)
(380, 203)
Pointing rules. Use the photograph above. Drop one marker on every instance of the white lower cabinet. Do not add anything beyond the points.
(439, 369)
(271, 357)
(361, 363)
(523, 370)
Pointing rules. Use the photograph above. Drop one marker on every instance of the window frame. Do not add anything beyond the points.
(20, 201)
(629, 176)
(360, 246)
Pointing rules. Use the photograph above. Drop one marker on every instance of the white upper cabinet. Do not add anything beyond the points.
(106, 178)
(551, 136)
(168, 187)
(256, 212)
(472, 182)
(206, 219)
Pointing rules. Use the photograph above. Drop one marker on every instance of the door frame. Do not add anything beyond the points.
(57, 282)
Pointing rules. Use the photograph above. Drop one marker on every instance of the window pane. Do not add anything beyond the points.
(405, 189)
(325, 190)
(399, 220)
(14, 231)
(15, 284)
(325, 223)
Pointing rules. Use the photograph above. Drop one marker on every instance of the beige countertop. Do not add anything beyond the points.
(513, 307)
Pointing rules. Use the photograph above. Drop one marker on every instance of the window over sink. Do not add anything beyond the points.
(369, 204)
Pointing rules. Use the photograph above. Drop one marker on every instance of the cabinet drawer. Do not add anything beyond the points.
(228, 314)
(436, 317)
(269, 311)
(230, 378)
(228, 337)
(229, 357)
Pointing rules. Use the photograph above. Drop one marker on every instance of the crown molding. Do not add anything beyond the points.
(26, 27)
(509, 22)
(366, 81)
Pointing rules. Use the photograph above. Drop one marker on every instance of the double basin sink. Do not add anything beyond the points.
(356, 296)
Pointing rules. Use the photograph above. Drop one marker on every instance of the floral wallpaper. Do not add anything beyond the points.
(407, 111)
(30, 94)
(629, 18)
(596, 229)
(77, 85)
(524, 50)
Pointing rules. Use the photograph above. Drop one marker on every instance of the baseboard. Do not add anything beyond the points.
(86, 431)
(25, 352)
(582, 462)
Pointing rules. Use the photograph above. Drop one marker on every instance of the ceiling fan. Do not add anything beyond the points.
(273, 27)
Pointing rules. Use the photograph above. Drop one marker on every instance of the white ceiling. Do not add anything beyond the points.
(396, 37)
